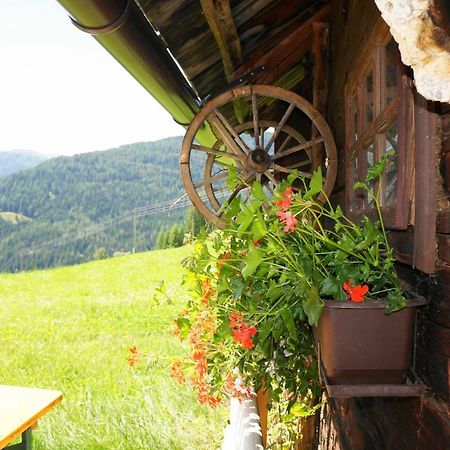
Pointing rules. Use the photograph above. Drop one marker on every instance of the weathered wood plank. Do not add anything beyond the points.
(433, 353)
(286, 53)
(443, 221)
(220, 20)
(320, 44)
(443, 243)
(427, 148)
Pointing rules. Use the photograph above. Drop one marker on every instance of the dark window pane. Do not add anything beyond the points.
(391, 56)
(368, 99)
(390, 172)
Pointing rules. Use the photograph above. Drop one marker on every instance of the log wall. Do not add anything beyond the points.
(396, 423)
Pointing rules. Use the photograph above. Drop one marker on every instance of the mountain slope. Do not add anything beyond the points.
(16, 160)
(67, 196)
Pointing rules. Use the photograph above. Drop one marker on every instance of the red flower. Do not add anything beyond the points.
(285, 203)
(355, 293)
(133, 357)
(243, 336)
(236, 320)
(288, 219)
(224, 257)
(207, 290)
(176, 372)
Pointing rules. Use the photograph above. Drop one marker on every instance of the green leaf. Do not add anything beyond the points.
(331, 287)
(184, 325)
(313, 306)
(360, 185)
(238, 287)
(233, 178)
(244, 218)
(396, 301)
(251, 261)
(233, 208)
(315, 185)
(288, 320)
(292, 176)
(259, 229)
(258, 191)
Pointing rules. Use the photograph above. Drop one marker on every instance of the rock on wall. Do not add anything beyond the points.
(421, 29)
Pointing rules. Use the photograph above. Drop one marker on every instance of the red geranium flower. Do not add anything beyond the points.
(236, 319)
(285, 203)
(243, 336)
(355, 293)
(224, 257)
(288, 219)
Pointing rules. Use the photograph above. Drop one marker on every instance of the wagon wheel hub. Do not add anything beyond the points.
(258, 160)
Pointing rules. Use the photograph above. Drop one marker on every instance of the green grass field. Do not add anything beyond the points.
(70, 329)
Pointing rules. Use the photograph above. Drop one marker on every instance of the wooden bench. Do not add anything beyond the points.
(20, 409)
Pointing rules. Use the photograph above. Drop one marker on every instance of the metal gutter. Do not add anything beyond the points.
(123, 30)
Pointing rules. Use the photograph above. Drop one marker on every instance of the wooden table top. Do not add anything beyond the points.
(21, 407)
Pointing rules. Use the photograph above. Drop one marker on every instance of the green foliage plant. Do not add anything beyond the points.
(258, 286)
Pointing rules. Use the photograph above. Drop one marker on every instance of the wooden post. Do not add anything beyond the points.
(321, 32)
(426, 149)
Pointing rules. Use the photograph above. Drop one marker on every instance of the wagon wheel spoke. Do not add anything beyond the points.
(298, 164)
(209, 180)
(288, 170)
(271, 177)
(255, 120)
(230, 133)
(281, 124)
(297, 148)
(216, 152)
(283, 145)
(230, 198)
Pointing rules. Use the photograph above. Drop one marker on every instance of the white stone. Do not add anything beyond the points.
(412, 28)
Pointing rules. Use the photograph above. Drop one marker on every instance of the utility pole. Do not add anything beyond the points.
(134, 230)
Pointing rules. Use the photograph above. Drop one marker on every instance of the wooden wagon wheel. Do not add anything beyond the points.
(267, 147)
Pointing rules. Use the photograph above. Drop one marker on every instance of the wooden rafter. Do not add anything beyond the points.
(286, 53)
(220, 20)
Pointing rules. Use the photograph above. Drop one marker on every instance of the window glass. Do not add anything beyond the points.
(369, 152)
(354, 167)
(390, 71)
(368, 99)
(353, 119)
(390, 172)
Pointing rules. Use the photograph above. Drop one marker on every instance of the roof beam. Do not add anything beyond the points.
(286, 53)
(219, 16)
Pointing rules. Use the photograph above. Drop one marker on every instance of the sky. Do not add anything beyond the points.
(61, 93)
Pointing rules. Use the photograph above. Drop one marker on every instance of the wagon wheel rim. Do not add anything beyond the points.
(253, 160)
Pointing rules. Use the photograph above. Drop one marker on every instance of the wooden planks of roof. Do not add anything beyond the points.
(217, 41)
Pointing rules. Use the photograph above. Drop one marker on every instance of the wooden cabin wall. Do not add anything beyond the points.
(400, 423)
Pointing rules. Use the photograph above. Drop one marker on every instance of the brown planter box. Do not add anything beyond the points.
(359, 344)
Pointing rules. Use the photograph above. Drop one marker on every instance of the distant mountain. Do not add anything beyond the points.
(79, 196)
(14, 160)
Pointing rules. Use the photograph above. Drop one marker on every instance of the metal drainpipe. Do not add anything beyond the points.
(123, 30)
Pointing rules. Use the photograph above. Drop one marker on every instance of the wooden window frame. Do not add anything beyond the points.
(400, 109)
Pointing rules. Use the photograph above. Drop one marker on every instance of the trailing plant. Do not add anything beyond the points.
(257, 288)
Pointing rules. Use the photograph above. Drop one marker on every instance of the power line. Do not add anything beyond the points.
(154, 208)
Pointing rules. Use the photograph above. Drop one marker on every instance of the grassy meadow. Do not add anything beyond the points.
(70, 329)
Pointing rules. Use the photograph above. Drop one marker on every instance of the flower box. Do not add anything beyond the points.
(359, 344)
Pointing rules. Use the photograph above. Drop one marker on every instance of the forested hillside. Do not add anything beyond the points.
(70, 196)
(15, 160)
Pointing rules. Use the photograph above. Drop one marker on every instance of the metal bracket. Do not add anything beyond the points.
(243, 79)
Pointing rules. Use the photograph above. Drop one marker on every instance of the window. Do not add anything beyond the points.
(378, 118)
